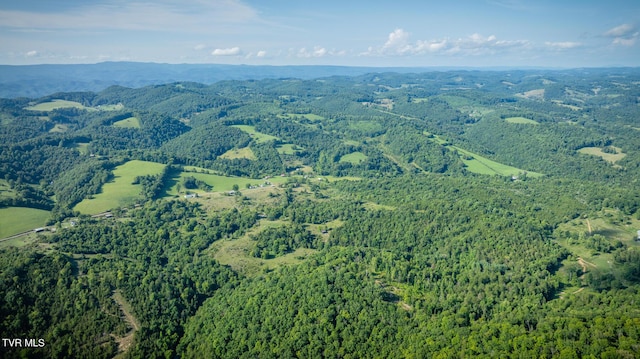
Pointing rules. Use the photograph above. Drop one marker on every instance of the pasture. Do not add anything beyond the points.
(481, 165)
(120, 191)
(521, 120)
(234, 153)
(236, 253)
(257, 136)
(288, 149)
(131, 122)
(354, 158)
(15, 220)
(55, 104)
(609, 157)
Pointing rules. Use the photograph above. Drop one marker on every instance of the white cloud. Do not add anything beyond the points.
(232, 51)
(316, 52)
(620, 31)
(200, 47)
(624, 35)
(399, 44)
(32, 53)
(261, 53)
(564, 45)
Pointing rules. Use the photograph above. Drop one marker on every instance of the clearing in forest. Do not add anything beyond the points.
(236, 253)
(354, 158)
(612, 156)
(259, 137)
(235, 153)
(56, 104)
(481, 165)
(521, 120)
(131, 122)
(120, 191)
(125, 342)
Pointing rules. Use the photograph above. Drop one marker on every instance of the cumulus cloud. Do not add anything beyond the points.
(317, 51)
(32, 53)
(625, 35)
(261, 53)
(399, 44)
(232, 51)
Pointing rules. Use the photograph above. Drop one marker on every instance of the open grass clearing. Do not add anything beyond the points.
(82, 147)
(309, 116)
(259, 137)
(235, 153)
(120, 191)
(288, 149)
(354, 158)
(236, 253)
(59, 128)
(131, 122)
(14, 220)
(598, 151)
(481, 165)
(521, 120)
(55, 104)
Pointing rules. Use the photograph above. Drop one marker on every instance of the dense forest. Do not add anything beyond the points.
(446, 214)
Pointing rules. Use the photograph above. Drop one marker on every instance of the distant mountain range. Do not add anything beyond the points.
(39, 80)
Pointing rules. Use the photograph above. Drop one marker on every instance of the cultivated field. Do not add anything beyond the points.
(120, 191)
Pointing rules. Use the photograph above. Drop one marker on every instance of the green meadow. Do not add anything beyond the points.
(131, 122)
(257, 136)
(15, 220)
(55, 104)
(482, 165)
(354, 158)
(120, 191)
(218, 182)
(609, 157)
(521, 120)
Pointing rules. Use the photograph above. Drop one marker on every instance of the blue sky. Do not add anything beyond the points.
(477, 33)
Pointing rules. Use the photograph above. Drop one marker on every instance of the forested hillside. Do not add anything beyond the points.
(446, 214)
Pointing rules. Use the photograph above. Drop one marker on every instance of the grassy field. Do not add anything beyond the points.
(482, 165)
(288, 149)
(308, 116)
(218, 182)
(609, 157)
(354, 158)
(20, 219)
(131, 122)
(612, 225)
(521, 120)
(257, 136)
(236, 253)
(52, 105)
(120, 191)
(244, 152)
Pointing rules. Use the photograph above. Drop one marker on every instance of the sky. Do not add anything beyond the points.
(466, 33)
